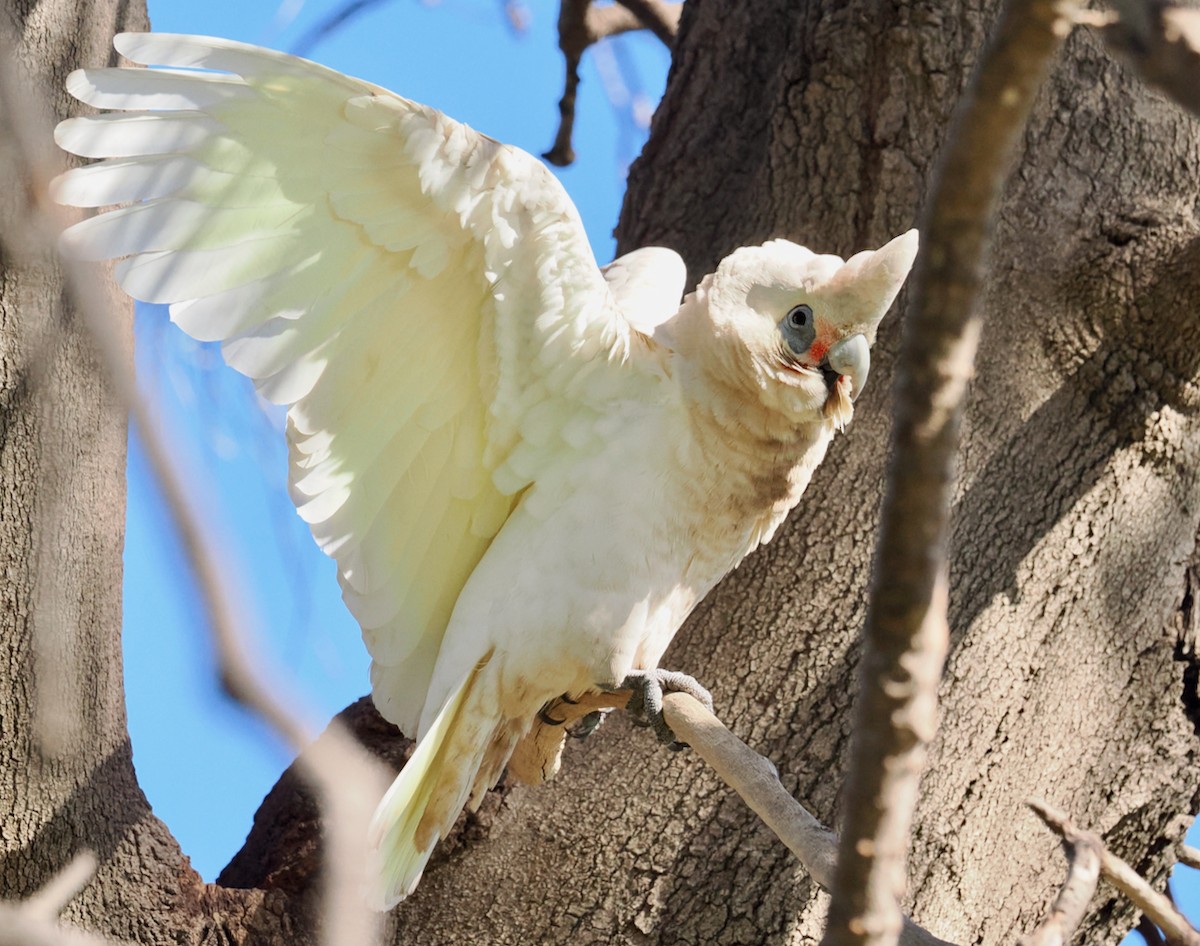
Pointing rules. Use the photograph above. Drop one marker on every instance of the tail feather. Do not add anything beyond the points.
(430, 791)
(491, 766)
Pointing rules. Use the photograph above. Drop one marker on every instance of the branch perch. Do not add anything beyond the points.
(906, 633)
(756, 780)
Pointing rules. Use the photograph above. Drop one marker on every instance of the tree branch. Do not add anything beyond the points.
(755, 778)
(1083, 872)
(332, 23)
(1162, 41)
(906, 632)
(1156, 906)
(580, 24)
(661, 19)
(1189, 856)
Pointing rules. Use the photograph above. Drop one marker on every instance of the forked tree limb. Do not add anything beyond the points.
(1162, 912)
(580, 24)
(906, 633)
(1083, 873)
(1189, 856)
(661, 19)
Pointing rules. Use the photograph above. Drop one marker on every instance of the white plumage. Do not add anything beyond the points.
(528, 470)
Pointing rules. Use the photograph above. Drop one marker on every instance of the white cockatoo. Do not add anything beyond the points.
(529, 470)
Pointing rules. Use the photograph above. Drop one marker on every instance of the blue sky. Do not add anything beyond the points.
(204, 763)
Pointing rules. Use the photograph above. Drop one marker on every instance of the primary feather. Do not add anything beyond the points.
(528, 470)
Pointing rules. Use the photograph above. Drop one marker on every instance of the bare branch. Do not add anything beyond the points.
(332, 23)
(347, 781)
(755, 778)
(1189, 856)
(1083, 872)
(516, 15)
(1150, 933)
(580, 24)
(1157, 906)
(19, 928)
(906, 632)
(1162, 41)
(661, 19)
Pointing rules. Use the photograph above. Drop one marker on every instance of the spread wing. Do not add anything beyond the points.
(423, 297)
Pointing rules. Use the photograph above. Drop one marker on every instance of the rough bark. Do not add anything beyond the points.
(1073, 550)
(1075, 519)
(66, 774)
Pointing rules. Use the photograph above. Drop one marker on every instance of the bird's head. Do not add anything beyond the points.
(794, 327)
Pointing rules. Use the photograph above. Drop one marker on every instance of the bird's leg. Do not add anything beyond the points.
(544, 715)
(646, 703)
(587, 725)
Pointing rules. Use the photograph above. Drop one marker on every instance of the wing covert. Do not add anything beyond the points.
(422, 297)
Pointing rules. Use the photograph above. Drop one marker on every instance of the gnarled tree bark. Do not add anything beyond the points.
(1074, 541)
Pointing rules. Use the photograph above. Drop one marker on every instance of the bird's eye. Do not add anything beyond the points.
(800, 317)
(798, 329)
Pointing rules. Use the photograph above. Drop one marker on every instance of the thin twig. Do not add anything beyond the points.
(755, 778)
(1083, 872)
(1189, 856)
(1158, 907)
(19, 928)
(906, 633)
(1150, 933)
(347, 781)
(580, 24)
(332, 23)
(1162, 41)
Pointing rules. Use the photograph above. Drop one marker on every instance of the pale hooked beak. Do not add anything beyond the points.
(851, 357)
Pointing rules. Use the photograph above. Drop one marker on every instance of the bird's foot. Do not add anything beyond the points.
(587, 725)
(544, 715)
(646, 703)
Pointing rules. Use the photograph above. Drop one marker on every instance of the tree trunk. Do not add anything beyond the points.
(1070, 677)
(66, 775)
(1075, 521)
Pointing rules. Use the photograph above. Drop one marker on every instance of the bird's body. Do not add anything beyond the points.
(593, 573)
(529, 470)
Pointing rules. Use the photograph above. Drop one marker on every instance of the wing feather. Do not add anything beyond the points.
(422, 298)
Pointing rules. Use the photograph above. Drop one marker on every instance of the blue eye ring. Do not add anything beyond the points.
(800, 317)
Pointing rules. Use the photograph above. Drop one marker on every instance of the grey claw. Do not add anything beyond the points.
(588, 725)
(646, 702)
(546, 718)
